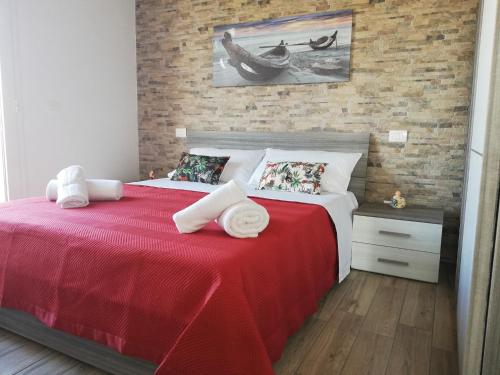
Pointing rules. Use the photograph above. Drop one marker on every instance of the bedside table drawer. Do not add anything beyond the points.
(398, 262)
(398, 233)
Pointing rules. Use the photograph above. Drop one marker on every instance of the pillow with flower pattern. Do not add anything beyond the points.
(296, 177)
(200, 168)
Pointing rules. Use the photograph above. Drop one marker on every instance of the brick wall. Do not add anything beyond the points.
(411, 68)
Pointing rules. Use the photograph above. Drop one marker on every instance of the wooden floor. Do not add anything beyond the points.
(374, 324)
(22, 357)
(369, 324)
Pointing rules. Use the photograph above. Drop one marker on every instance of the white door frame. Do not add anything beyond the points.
(13, 129)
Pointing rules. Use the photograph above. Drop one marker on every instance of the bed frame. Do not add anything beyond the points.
(113, 362)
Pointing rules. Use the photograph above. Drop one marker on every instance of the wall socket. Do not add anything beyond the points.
(180, 132)
(398, 136)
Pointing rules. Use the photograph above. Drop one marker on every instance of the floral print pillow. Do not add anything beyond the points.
(200, 168)
(297, 177)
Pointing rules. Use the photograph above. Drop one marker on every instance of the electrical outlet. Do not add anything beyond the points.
(398, 136)
(180, 132)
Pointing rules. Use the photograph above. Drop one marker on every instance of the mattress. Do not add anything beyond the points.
(120, 274)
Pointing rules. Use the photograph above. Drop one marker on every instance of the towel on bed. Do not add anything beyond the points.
(208, 208)
(71, 188)
(99, 190)
(245, 219)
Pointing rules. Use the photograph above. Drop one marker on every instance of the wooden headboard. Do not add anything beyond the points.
(324, 141)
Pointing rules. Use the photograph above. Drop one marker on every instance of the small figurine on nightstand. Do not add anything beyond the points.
(398, 201)
(152, 175)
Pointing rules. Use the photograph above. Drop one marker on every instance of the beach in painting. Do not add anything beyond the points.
(306, 64)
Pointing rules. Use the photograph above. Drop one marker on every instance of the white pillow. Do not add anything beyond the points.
(337, 173)
(240, 165)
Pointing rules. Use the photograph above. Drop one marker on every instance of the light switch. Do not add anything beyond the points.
(398, 136)
(180, 132)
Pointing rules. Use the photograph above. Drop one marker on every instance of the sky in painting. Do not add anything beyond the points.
(302, 23)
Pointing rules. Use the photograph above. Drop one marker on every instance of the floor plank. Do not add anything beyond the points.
(11, 342)
(335, 296)
(444, 333)
(443, 362)
(411, 352)
(418, 308)
(369, 355)
(384, 313)
(298, 346)
(361, 294)
(19, 356)
(395, 282)
(22, 357)
(54, 364)
(332, 346)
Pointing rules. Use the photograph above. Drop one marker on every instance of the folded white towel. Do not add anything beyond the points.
(244, 219)
(208, 208)
(71, 188)
(99, 190)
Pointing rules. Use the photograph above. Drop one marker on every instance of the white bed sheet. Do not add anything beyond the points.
(340, 207)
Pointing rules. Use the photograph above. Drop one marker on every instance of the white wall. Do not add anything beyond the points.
(69, 85)
(3, 191)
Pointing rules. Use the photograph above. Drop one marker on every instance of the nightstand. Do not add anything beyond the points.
(400, 242)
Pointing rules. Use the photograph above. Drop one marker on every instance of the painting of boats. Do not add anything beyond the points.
(257, 67)
(311, 48)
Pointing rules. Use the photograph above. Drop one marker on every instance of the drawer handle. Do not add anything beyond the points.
(395, 234)
(392, 261)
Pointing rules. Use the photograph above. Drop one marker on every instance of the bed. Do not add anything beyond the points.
(120, 273)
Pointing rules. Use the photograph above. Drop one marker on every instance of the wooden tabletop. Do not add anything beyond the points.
(411, 213)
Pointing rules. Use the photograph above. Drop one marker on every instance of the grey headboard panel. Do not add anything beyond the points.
(325, 141)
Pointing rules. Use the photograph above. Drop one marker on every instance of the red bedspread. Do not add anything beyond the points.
(204, 303)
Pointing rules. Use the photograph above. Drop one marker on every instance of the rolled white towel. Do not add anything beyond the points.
(244, 219)
(99, 190)
(208, 208)
(71, 188)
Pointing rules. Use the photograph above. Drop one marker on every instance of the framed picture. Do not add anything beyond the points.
(311, 48)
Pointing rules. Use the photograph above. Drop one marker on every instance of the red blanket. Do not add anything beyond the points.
(119, 273)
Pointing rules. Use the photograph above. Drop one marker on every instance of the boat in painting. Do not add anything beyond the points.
(322, 43)
(261, 67)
